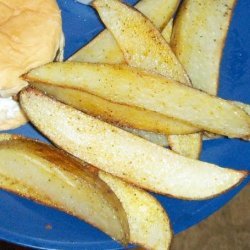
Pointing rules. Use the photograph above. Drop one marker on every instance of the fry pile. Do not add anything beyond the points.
(150, 75)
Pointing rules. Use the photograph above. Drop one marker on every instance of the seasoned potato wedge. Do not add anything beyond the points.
(50, 176)
(198, 39)
(141, 43)
(186, 145)
(148, 223)
(122, 154)
(130, 86)
(118, 114)
(104, 48)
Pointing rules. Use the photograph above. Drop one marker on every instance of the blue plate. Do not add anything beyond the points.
(27, 223)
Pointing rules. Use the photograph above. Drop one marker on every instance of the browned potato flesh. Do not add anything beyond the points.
(198, 39)
(50, 176)
(130, 86)
(124, 155)
(118, 114)
(148, 222)
(104, 48)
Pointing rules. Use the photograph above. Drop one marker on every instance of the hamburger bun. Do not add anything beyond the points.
(30, 36)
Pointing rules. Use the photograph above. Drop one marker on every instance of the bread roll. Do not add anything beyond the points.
(30, 36)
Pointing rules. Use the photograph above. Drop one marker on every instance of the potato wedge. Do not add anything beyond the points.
(130, 86)
(141, 43)
(198, 39)
(118, 114)
(122, 154)
(50, 176)
(186, 145)
(149, 224)
(104, 48)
